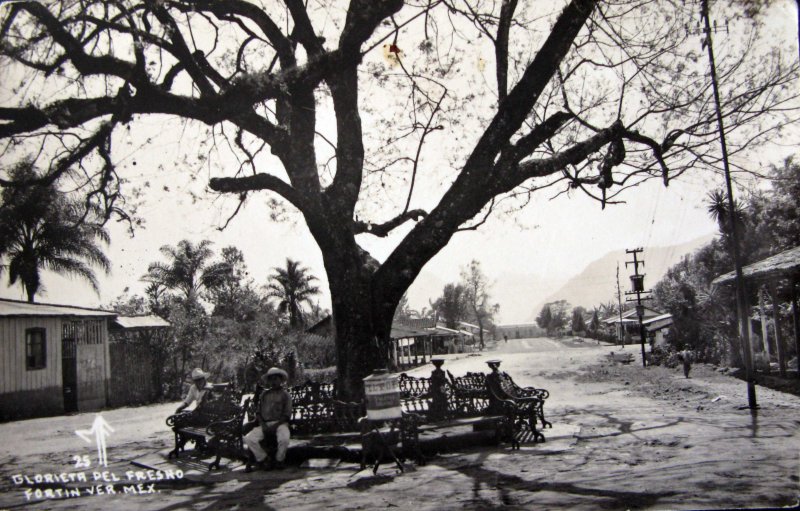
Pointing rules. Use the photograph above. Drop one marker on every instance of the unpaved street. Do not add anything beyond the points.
(623, 438)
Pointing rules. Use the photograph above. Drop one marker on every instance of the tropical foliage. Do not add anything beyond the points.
(220, 320)
(451, 306)
(291, 287)
(704, 315)
(553, 316)
(41, 228)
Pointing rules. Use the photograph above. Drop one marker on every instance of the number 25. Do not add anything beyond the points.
(82, 461)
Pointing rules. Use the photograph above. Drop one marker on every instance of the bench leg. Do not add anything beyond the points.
(536, 433)
(180, 443)
(174, 452)
(215, 445)
(545, 423)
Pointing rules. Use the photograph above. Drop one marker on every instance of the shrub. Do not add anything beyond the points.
(761, 362)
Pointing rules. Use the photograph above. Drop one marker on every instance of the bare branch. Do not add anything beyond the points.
(383, 230)
(259, 181)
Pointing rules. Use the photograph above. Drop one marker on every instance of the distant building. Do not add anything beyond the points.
(519, 331)
(656, 324)
(413, 341)
(53, 359)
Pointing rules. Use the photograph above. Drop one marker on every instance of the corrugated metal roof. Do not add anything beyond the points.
(415, 323)
(779, 265)
(12, 308)
(629, 316)
(150, 321)
(657, 318)
(399, 332)
(442, 330)
(658, 322)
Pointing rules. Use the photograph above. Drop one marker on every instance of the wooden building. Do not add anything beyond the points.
(628, 322)
(780, 274)
(412, 342)
(53, 359)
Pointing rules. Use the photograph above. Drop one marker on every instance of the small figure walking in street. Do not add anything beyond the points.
(685, 357)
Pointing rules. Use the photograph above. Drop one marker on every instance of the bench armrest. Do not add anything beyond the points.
(532, 392)
(230, 427)
(179, 420)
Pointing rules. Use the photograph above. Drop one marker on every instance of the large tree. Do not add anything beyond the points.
(232, 293)
(41, 228)
(587, 95)
(451, 307)
(476, 287)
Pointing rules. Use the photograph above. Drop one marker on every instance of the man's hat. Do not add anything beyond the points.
(277, 371)
(199, 374)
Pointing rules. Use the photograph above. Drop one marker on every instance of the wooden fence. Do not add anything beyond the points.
(133, 374)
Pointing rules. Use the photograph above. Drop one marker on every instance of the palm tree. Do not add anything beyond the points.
(718, 210)
(41, 229)
(187, 270)
(291, 286)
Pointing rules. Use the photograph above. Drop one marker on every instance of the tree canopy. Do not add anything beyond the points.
(334, 108)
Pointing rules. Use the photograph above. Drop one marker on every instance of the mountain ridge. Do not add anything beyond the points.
(597, 282)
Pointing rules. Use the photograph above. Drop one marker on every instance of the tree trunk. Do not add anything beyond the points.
(361, 320)
(362, 338)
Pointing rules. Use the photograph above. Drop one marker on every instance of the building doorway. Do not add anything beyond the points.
(69, 374)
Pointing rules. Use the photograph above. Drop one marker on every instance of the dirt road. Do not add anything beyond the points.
(624, 437)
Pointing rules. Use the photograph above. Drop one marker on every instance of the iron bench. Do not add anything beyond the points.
(216, 424)
(528, 402)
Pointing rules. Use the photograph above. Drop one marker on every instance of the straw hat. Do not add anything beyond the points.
(277, 371)
(199, 374)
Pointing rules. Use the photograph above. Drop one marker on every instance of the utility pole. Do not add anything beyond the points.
(741, 300)
(637, 285)
(619, 308)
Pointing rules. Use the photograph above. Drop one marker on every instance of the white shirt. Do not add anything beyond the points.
(194, 395)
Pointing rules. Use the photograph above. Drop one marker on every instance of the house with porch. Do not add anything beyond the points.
(780, 275)
(655, 322)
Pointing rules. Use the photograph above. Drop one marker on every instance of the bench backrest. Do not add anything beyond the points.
(312, 392)
(411, 386)
(216, 406)
(332, 416)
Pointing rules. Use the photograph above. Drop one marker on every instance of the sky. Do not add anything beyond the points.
(548, 241)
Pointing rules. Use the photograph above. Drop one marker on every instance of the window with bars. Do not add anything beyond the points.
(35, 348)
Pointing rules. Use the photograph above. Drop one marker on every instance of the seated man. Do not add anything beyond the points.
(273, 414)
(197, 391)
